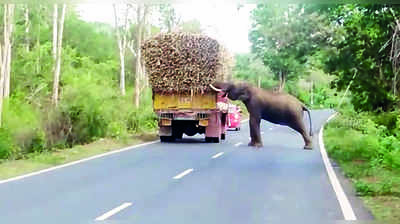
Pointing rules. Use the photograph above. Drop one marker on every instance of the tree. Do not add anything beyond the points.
(58, 27)
(169, 20)
(27, 27)
(250, 68)
(142, 14)
(362, 49)
(284, 36)
(5, 54)
(122, 39)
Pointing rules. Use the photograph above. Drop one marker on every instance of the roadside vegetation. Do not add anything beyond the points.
(100, 91)
(366, 146)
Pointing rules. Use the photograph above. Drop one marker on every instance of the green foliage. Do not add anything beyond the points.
(368, 148)
(284, 36)
(366, 30)
(95, 40)
(90, 105)
(250, 69)
(7, 147)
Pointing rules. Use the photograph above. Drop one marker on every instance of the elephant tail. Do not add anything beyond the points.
(309, 117)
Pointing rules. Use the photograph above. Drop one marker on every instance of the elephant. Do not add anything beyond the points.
(275, 107)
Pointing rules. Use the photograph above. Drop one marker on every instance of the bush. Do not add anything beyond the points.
(7, 147)
(371, 137)
(90, 105)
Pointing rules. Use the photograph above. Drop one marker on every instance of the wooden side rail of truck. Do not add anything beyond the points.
(191, 114)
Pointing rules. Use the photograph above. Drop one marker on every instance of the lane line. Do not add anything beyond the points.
(270, 128)
(262, 132)
(113, 211)
(344, 203)
(184, 173)
(237, 144)
(217, 155)
(76, 162)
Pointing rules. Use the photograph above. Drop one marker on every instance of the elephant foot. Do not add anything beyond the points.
(308, 147)
(255, 144)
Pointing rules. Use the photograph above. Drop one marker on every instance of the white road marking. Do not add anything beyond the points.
(270, 128)
(262, 132)
(218, 155)
(76, 162)
(237, 144)
(113, 212)
(186, 172)
(344, 203)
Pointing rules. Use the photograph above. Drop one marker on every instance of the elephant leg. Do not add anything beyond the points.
(300, 127)
(255, 131)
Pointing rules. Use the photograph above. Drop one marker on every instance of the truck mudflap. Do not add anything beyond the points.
(213, 129)
(165, 131)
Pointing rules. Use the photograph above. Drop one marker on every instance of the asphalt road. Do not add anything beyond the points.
(187, 182)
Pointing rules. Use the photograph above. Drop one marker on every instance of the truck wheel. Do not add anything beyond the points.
(212, 139)
(166, 139)
(223, 136)
(178, 135)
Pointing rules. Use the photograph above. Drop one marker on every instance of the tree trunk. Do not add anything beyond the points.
(38, 43)
(145, 34)
(121, 39)
(8, 29)
(282, 81)
(58, 55)
(55, 32)
(27, 28)
(138, 55)
(5, 55)
(259, 81)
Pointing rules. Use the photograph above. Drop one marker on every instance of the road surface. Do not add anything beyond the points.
(187, 182)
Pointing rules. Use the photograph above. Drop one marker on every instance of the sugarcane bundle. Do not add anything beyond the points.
(181, 62)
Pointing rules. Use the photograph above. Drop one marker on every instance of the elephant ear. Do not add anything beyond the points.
(245, 93)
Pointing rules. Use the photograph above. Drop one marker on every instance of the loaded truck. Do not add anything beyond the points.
(191, 114)
(182, 68)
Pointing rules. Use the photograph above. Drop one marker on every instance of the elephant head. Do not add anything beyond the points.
(233, 91)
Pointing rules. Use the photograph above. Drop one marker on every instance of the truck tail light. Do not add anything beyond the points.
(166, 122)
(203, 123)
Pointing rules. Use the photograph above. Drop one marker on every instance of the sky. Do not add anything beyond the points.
(219, 19)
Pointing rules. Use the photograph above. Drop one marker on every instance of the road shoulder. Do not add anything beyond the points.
(358, 208)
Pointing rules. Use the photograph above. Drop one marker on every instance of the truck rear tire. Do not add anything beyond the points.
(212, 139)
(167, 139)
(223, 136)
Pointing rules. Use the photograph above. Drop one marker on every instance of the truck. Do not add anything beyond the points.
(191, 114)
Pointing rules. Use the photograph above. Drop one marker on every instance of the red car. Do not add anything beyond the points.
(234, 117)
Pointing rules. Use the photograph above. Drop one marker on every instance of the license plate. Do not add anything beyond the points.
(184, 101)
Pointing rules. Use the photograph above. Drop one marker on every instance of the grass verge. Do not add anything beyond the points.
(39, 161)
(360, 146)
